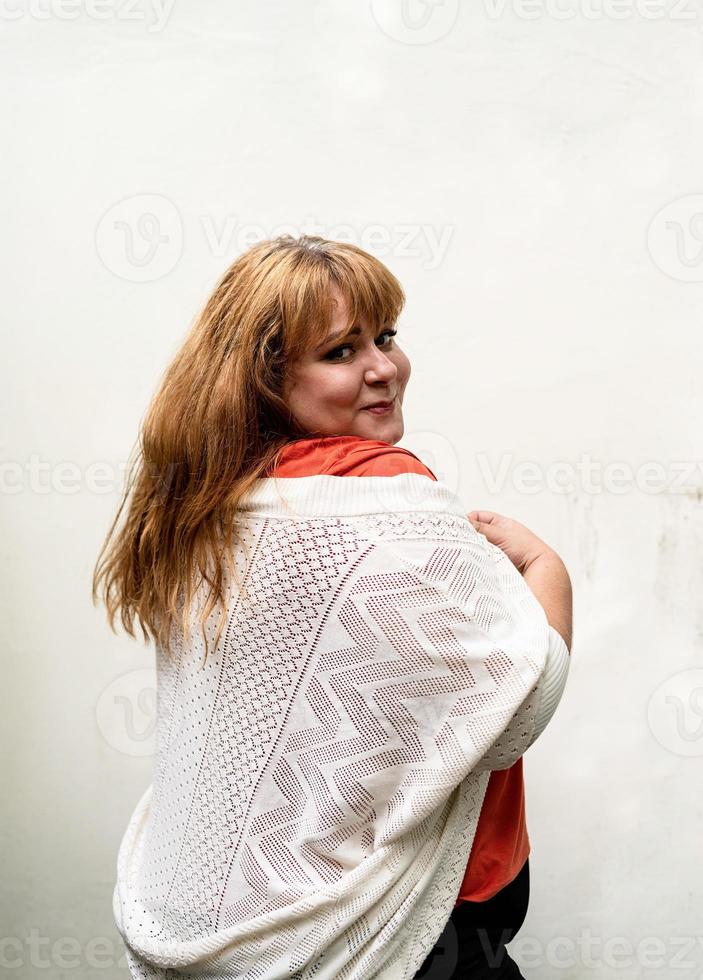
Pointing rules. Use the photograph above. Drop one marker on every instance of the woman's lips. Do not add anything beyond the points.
(381, 409)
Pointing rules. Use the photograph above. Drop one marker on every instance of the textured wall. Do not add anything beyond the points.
(531, 171)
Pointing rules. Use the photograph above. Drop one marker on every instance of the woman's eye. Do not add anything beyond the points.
(335, 355)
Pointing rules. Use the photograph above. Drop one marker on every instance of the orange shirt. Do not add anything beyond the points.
(501, 845)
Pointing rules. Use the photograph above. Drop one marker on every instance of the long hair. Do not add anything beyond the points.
(218, 422)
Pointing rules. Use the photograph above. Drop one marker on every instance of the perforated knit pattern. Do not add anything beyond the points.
(318, 782)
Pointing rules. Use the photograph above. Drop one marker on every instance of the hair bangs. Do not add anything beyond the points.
(324, 267)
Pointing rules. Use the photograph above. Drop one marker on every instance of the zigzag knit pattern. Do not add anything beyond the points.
(319, 778)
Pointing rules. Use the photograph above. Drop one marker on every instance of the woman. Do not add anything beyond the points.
(349, 671)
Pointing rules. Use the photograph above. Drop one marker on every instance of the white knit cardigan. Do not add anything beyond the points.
(318, 782)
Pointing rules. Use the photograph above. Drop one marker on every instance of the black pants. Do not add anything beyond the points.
(472, 946)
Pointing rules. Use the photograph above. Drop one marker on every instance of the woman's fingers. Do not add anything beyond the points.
(484, 516)
(487, 528)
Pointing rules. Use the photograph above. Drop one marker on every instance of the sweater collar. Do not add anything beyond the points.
(339, 496)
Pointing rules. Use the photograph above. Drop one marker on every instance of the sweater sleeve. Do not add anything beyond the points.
(537, 713)
(552, 682)
(480, 608)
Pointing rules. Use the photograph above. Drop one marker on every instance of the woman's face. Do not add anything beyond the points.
(329, 389)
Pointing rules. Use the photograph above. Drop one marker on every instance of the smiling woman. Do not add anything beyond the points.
(338, 774)
(257, 370)
(350, 388)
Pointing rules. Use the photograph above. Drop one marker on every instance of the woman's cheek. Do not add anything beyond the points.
(403, 365)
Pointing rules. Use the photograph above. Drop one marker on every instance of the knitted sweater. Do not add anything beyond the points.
(319, 781)
(501, 844)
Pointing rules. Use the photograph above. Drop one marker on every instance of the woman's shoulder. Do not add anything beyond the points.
(346, 456)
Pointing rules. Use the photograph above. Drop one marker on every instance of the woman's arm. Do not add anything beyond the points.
(548, 578)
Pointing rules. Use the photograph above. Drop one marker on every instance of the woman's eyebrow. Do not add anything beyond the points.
(340, 333)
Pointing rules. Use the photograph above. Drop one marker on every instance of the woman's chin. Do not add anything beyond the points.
(384, 429)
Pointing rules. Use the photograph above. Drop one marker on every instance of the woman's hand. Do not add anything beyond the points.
(519, 543)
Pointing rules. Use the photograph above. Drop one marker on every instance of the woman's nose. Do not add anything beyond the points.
(381, 367)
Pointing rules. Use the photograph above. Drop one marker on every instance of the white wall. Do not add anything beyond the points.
(558, 318)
